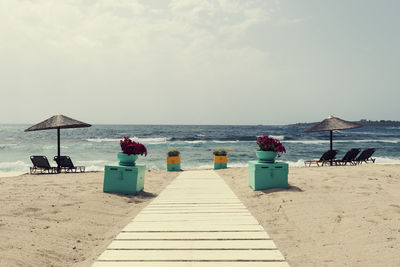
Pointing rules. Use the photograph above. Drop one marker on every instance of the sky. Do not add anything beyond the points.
(199, 61)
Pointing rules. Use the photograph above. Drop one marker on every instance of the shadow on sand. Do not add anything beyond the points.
(139, 198)
(292, 188)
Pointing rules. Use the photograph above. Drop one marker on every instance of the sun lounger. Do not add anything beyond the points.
(41, 165)
(349, 157)
(66, 165)
(326, 158)
(365, 156)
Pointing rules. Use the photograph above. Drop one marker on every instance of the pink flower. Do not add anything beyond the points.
(131, 147)
(267, 143)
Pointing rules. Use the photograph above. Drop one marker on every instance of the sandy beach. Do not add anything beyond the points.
(65, 219)
(330, 216)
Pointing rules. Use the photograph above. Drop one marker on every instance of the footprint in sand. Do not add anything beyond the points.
(32, 210)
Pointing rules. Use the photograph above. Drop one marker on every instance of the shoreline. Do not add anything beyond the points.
(244, 165)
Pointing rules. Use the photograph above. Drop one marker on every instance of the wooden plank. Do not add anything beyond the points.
(231, 215)
(196, 221)
(192, 244)
(195, 211)
(203, 205)
(203, 201)
(188, 227)
(191, 255)
(190, 264)
(238, 220)
(175, 210)
(192, 235)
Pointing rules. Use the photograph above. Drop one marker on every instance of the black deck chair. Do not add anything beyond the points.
(325, 158)
(41, 165)
(349, 157)
(65, 164)
(365, 156)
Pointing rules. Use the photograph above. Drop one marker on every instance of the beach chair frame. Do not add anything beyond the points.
(65, 164)
(365, 156)
(326, 158)
(41, 165)
(349, 157)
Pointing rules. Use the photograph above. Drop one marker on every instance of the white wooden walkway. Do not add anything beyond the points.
(196, 221)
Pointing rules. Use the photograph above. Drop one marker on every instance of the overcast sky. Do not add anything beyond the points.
(199, 61)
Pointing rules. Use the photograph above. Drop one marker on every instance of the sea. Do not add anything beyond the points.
(97, 146)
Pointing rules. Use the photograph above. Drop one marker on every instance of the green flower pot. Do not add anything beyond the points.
(127, 160)
(266, 156)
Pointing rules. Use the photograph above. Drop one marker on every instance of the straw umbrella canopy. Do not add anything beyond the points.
(330, 124)
(58, 122)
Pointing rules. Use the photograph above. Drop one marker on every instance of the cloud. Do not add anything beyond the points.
(90, 47)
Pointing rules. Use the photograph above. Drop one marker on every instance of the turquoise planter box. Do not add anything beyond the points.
(124, 179)
(268, 175)
(219, 166)
(174, 167)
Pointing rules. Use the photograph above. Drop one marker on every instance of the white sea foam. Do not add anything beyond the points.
(153, 140)
(299, 163)
(102, 140)
(94, 168)
(237, 164)
(53, 146)
(7, 145)
(311, 142)
(386, 160)
(196, 142)
(204, 166)
(392, 141)
(13, 168)
(224, 142)
(279, 137)
(316, 142)
(93, 165)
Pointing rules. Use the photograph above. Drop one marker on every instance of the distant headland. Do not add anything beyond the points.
(380, 123)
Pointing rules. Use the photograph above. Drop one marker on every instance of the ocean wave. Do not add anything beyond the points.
(92, 162)
(317, 142)
(94, 168)
(392, 141)
(211, 141)
(3, 146)
(53, 146)
(279, 137)
(102, 140)
(298, 163)
(225, 141)
(151, 140)
(237, 164)
(386, 160)
(308, 142)
(14, 166)
(196, 142)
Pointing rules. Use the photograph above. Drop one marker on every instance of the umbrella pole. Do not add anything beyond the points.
(58, 149)
(331, 146)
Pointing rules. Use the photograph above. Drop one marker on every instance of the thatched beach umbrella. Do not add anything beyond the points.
(330, 124)
(57, 122)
